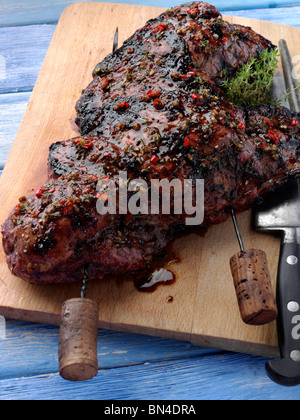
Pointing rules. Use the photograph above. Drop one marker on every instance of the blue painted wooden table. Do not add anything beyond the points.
(131, 367)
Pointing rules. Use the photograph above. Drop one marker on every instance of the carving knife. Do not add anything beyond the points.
(280, 212)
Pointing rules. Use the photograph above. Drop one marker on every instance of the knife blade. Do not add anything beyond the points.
(116, 40)
(280, 212)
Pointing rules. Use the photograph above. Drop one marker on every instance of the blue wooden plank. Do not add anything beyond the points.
(211, 377)
(22, 52)
(24, 12)
(29, 349)
(12, 108)
(253, 4)
(286, 15)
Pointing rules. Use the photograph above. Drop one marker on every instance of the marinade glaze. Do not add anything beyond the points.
(155, 109)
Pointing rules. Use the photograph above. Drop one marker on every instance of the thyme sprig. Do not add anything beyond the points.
(251, 86)
(286, 95)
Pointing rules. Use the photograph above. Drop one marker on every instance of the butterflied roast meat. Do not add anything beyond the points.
(155, 109)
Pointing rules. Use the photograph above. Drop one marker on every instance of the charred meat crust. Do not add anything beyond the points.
(155, 109)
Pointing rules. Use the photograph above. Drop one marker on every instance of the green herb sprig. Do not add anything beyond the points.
(251, 86)
(286, 95)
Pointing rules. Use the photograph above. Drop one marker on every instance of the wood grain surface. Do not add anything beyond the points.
(204, 308)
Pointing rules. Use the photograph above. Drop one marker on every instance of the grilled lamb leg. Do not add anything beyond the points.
(147, 80)
(154, 109)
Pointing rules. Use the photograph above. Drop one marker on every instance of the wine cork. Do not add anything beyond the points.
(253, 287)
(78, 340)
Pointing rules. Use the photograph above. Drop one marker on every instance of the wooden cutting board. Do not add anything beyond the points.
(201, 305)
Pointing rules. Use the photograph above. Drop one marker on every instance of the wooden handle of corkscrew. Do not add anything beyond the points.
(77, 349)
(253, 287)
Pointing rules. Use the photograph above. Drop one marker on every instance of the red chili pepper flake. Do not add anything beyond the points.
(103, 83)
(52, 190)
(87, 144)
(272, 131)
(107, 154)
(121, 105)
(102, 196)
(39, 192)
(193, 10)
(195, 96)
(241, 160)
(260, 146)
(125, 104)
(186, 142)
(272, 137)
(128, 217)
(157, 103)
(130, 50)
(68, 207)
(154, 159)
(153, 93)
(294, 123)
(191, 73)
(225, 39)
(184, 76)
(17, 210)
(162, 26)
(269, 123)
(241, 126)
(221, 119)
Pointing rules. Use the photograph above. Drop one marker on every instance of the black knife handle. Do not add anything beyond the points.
(286, 371)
